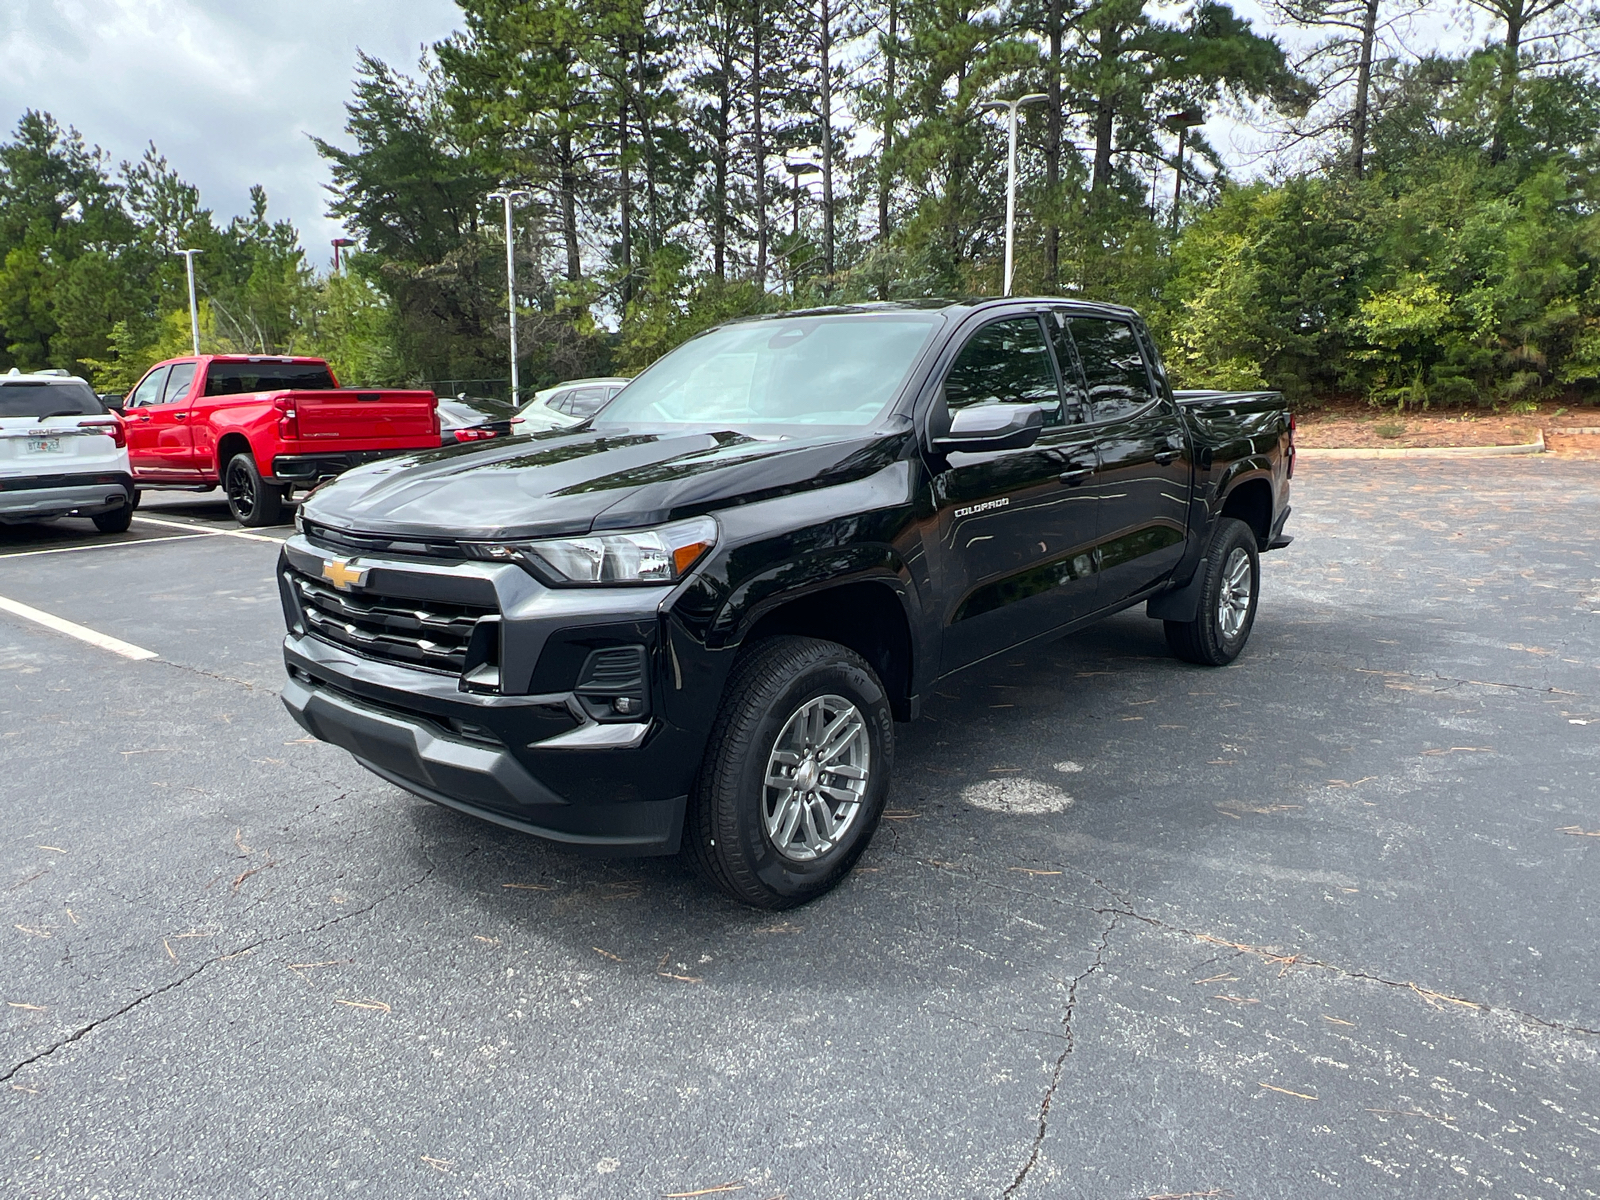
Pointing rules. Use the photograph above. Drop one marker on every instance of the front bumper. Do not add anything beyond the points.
(32, 496)
(528, 751)
(420, 756)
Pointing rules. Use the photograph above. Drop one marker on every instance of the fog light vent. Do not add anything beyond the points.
(612, 683)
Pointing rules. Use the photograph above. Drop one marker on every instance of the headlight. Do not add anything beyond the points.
(660, 555)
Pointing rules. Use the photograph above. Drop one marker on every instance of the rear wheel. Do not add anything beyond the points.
(1230, 585)
(118, 520)
(252, 500)
(795, 773)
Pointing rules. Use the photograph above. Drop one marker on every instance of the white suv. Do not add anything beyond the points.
(61, 453)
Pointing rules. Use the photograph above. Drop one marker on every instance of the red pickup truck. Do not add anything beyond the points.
(263, 425)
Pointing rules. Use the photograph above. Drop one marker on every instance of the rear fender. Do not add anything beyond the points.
(218, 434)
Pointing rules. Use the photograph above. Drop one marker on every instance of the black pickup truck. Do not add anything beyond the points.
(695, 618)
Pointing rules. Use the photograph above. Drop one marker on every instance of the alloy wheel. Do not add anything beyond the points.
(816, 778)
(241, 491)
(1233, 597)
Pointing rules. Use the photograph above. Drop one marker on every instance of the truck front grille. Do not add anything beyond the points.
(343, 541)
(429, 634)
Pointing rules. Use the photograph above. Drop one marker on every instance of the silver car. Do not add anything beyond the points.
(569, 403)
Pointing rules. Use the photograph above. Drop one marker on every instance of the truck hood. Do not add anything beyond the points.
(562, 483)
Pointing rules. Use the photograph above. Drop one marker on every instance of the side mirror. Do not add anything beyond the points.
(113, 400)
(992, 427)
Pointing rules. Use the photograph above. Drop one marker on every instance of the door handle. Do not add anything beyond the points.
(183, 416)
(1074, 478)
(142, 417)
(1165, 456)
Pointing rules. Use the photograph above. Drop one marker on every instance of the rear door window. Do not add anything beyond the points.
(1006, 362)
(149, 390)
(585, 402)
(1113, 367)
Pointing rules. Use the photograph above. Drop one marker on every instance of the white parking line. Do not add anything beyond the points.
(152, 541)
(238, 533)
(72, 629)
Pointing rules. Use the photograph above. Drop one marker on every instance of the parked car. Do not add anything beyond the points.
(261, 426)
(696, 619)
(62, 453)
(475, 419)
(570, 403)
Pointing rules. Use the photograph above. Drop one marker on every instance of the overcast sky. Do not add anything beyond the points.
(229, 89)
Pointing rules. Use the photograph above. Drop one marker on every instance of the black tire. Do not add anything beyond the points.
(118, 520)
(252, 500)
(726, 827)
(1208, 639)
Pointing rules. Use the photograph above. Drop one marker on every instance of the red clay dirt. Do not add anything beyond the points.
(1358, 426)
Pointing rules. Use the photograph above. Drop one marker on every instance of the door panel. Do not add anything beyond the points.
(1144, 471)
(142, 429)
(1016, 527)
(173, 420)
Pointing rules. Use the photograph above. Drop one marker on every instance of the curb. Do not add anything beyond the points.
(1424, 451)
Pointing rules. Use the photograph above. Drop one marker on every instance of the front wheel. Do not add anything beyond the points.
(795, 773)
(1230, 585)
(252, 500)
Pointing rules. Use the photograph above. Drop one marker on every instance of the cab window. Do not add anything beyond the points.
(1113, 367)
(1005, 362)
(149, 390)
(178, 382)
(1073, 391)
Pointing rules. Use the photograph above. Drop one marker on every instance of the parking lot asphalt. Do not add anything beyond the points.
(1322, 921)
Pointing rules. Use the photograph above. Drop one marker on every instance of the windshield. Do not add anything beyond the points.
(812, 371)
(35, 398)
(240, 378)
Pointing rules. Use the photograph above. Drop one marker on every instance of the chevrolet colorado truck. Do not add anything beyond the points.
(261, 426)
(694, 619)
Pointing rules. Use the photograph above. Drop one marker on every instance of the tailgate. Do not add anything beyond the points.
(367, 414)
(57, 446)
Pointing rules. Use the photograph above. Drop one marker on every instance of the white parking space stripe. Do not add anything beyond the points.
(152, 541)
(238, 533)
(72, 629)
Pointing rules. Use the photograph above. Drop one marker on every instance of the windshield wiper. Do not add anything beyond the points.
(64, 412)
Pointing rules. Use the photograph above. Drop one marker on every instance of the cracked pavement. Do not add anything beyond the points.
(1319, 922)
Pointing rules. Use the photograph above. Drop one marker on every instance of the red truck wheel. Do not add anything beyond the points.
(252, 500)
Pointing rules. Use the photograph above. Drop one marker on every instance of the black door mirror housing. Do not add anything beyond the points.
(992, 427)
(113, 400)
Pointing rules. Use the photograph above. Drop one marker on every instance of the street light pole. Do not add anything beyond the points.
(1182, 122)
(194, 307)
(797, 169)
(509, 196)
(339, 244)
(1009, 107)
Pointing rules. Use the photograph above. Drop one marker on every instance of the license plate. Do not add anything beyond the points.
(48, 445)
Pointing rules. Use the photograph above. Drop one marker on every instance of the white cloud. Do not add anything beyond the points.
(227, 89)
